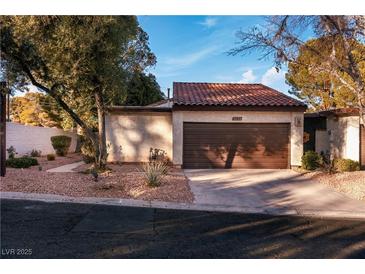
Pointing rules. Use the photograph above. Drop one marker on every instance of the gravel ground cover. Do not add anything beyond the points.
(351, 184)
(59, 161)
(122, 181)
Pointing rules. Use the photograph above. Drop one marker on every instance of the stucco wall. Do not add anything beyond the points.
(322, 141)
(296, 133)
(344, 137)
(131, 135)
(26, 138)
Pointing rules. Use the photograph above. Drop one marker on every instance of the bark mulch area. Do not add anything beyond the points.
(351, 184)
(123, 181)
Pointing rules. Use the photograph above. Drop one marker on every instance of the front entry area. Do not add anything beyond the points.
(236, 145)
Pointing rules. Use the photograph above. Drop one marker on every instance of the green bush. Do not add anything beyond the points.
(51, 157)
(35, 153)
(343, 165)
(311, 160)
(61, 144)
(154, 172)
(33, 161)
(22, 162)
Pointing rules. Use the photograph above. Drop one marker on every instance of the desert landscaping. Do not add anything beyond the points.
(121, 181)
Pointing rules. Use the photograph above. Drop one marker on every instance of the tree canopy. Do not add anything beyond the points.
(318, 87)
(82, 62)
(283, 38)
(38, 109)
(142, 90)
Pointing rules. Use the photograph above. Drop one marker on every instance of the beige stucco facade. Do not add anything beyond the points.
(322, 141)
(130, 135)
(294, 118)
(341, 139)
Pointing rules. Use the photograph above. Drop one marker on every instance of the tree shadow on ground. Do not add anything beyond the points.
(49, 230)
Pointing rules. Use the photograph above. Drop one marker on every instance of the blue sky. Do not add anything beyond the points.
(194, 49)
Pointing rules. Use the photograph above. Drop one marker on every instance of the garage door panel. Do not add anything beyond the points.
(215, 126)
(234, 165)
(256, 153)
(245, 139)
(236, 145)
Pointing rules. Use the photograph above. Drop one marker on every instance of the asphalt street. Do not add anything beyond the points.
(31, 229)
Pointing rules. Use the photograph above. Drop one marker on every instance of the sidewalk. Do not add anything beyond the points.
(279, 211)
(66, 168)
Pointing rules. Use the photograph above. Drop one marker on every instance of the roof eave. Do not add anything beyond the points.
(138, 109)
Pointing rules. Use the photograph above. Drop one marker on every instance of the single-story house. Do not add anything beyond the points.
(211, 125)
(337, 133)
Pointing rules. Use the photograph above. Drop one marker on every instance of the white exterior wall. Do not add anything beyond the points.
(322, 141)
(296, 133)
(131, 135)
(344, 138)
(26, 138)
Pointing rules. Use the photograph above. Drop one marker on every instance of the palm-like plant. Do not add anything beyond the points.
(154, 171)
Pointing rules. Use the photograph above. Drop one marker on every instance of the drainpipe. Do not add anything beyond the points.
(8, 105)
(168, 97)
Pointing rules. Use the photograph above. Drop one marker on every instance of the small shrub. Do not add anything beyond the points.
(327, 162)
(18, 163)
(51, 157)
(154, 172)
(157, 154)
(311, 160)
(11, 152)
(343, 165)
(61, 144)
(22, 162)
(33, 161)
(35, 153)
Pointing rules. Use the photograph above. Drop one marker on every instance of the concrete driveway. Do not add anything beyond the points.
(271, 191)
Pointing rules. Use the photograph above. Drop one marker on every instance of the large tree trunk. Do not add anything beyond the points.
(101, 157)
(89, 133)
(362, 107)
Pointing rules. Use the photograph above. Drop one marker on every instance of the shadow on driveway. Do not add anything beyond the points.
(270, 189)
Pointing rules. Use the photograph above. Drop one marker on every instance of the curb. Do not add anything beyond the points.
(279, 211)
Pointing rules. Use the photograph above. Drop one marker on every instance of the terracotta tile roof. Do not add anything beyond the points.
(226, 94)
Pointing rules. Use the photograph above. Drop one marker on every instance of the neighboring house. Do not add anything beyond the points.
(337, 133)
(212, 125)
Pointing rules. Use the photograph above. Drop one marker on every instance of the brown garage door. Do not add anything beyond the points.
(218, 145)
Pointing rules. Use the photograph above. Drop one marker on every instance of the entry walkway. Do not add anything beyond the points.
(66, 168)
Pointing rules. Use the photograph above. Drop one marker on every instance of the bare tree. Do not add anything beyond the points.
(282, 37)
